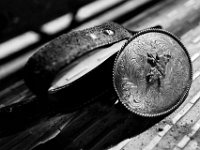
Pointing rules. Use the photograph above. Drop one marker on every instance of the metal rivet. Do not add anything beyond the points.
(108, 32)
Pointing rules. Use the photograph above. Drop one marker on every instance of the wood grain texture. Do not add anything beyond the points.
(44, 127)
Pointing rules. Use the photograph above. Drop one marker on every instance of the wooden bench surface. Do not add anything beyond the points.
(104, 123)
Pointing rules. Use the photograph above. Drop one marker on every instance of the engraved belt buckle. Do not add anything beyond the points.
(151, 69)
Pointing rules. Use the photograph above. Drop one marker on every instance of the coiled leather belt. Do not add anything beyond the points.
(151, 70)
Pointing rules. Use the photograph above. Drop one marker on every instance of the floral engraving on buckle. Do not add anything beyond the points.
(158, 66)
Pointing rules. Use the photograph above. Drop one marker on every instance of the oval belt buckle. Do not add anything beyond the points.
(151, 69)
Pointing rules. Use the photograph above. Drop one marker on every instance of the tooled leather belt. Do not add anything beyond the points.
(150, 70)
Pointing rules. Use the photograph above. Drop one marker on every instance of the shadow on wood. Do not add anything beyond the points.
(99, 126)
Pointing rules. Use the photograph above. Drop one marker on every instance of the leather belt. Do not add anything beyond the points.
(144, 58)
